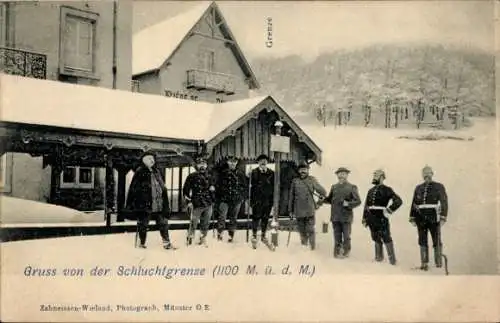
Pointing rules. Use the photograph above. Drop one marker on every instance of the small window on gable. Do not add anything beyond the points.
(206, 60)
(77, 177)
(78, 43)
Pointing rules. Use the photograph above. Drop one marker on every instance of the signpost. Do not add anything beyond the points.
(279, 144)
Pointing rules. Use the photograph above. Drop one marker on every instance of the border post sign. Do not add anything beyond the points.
(279, 144)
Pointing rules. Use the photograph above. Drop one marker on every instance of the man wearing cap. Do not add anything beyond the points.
(429, 210)
(261, 197)
(302, 205)
(148, 198)
(343, 198)
(376, 215)
(198, 191)
(232, 191)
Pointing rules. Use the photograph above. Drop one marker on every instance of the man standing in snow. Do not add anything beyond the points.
(429, 211)
(302, 206)
(376, 215)
(199, 191)
(232, 191)
(148, 198)
(261, 198)
(343, 197)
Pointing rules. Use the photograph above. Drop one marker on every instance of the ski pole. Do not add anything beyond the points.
(136, 234)
(289, 231)
(190, 213)
(249, 197)
(441, 254)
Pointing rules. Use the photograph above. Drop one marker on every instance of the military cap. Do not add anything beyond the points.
(427, 168)
(232, 158)
(379, 172)
(263, 156)
(342, 170)
(148, 153)
(303, 164)
(200, 160)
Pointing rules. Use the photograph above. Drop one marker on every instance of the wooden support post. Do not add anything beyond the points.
(55, 181)
(122, 175)
(109, 191)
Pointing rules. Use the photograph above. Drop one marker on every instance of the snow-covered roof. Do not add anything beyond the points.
(42, 102)
(156, 44)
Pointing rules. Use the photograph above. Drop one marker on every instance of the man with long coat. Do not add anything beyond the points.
(302, 205)
(429, 211)
(261, 197)
(148, 198)
(343, 197)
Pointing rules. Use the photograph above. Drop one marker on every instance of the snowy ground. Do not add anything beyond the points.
(356, 289)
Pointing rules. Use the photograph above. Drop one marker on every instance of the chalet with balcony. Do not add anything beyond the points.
(84, 43)
(72, 143)
(193, 56)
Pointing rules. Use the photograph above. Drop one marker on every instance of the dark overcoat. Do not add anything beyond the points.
(139, 198)
(262, 188)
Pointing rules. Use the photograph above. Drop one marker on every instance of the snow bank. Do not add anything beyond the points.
(16, 210)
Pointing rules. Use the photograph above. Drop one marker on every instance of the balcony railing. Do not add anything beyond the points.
(205, 80)
(20, 62)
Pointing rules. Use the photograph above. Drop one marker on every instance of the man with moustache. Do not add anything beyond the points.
(302, 205)
(232, 191)
(199, 191)
(429, 211)
(148, 198)
(376, 215)
(261, 198)
(343, 198)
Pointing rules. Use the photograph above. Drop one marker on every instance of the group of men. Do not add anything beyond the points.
(148, 198)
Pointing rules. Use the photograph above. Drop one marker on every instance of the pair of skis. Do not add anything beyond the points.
(265, 242)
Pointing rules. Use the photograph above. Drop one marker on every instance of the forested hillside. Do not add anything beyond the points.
(401, 73)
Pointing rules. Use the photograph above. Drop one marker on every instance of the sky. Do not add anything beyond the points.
(308, 29)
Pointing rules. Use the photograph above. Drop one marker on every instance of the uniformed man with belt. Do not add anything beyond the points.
(376, 215)
(428, 212)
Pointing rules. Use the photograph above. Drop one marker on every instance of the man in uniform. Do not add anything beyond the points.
(429, 210)
(261, 198)
(232, 191)
(199, 191)
(343, 198)
(376, 215)
(302, 206)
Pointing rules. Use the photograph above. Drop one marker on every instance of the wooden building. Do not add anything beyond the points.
(110, 129)
(196, 99)
(194, 56)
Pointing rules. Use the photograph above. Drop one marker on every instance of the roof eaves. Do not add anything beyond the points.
(253, 82)
(150, 71)
(308, 140)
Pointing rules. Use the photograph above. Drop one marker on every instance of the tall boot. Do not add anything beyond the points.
(437, 256)
(312, 240)
(379, 252)
(424, 258)
(390, 253)
(303, 238)
(336, 250)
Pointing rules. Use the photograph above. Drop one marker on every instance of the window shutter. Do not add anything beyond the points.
(85, 45)
(71, 43)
